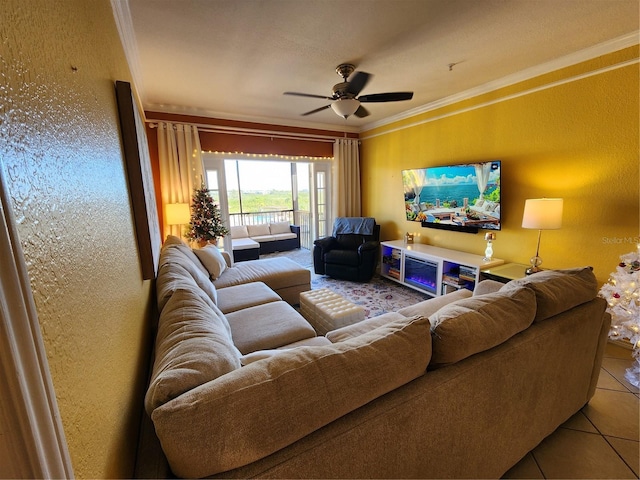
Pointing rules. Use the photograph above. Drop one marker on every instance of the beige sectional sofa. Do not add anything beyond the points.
(458, 386)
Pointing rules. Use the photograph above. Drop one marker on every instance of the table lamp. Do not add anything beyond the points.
(177, 213)
(541, 214)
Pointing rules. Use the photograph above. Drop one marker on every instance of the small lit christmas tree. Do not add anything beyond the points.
(622, 293)
(206, 221)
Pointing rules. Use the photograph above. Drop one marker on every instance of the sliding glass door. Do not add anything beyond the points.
(264, 190)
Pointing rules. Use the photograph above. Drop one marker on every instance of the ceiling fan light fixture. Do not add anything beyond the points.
(345, 106)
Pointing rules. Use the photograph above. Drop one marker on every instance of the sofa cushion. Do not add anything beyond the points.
(212, 259)
(267, 326)
(272, 403)
(181, 253)
(262, 354)
(244, 244)
(279, 227)
(277, 273)
(193, 346)
(174, 265)
(307, 342)
(172, 276)
(246, 295)
(343, 257)
(258, 230)
(558, 290)
(428, 307)
(263, 238)
(476, 324)
(284, 236)
(349, 241)
(364, 326)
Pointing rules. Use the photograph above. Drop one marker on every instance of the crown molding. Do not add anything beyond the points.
(251, 118)
(124, 23)
(604, 48)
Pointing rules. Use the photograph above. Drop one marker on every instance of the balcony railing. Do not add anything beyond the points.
(298, 217)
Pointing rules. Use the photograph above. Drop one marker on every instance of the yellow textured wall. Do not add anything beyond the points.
(571, 134)
(60, 150)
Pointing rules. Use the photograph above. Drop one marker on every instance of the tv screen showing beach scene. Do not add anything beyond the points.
(456, 196)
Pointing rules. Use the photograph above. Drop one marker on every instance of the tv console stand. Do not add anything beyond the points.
(432, 270)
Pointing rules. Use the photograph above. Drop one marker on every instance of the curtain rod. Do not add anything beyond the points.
(203, 127)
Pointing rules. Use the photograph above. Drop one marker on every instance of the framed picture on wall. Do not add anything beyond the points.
(141, 191)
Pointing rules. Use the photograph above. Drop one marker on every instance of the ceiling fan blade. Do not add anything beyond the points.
(357, 82)
(386, 97)
(316, 110)
(361, 112)
(324, 97)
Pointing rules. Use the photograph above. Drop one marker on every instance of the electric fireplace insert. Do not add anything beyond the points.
(421, 273)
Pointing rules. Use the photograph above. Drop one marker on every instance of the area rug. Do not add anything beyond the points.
(376, 297)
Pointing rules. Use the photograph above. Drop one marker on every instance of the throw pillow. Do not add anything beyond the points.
(558, 290)
(476, 324)
(279, 227)
(258, 230)
(239, 231)
(173, 240)
(212, 260)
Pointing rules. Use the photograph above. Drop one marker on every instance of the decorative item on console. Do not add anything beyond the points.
(541, 214)
(488, 252)
(622, 293)
(206, 224)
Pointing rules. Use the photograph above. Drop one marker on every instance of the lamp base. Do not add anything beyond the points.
(532, 270)
(535, 265)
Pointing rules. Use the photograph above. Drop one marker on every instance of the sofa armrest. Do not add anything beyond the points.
(295, 229)
(368, 246)
(227, 258)
(487, 286)
(326, 243)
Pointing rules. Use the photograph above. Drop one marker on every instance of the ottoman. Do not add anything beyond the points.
(327, 310)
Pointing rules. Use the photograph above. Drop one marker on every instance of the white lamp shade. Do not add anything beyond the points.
(177, 213)
(542, 213)
(345, 106)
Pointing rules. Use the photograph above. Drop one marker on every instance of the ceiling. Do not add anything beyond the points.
(235, 58)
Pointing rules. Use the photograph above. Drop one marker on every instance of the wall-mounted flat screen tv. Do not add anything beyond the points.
(454, 197)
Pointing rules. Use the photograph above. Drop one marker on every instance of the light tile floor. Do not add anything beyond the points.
(601, 440)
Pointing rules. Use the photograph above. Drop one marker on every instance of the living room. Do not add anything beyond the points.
(571, 132)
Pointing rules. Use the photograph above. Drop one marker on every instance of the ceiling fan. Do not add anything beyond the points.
(345, 100)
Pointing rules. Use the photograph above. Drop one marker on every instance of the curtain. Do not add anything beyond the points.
(181, 168)
(346, 178)
(482, 176)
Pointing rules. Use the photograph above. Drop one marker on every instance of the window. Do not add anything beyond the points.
(258, 186)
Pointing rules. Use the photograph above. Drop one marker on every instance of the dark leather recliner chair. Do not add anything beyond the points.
(347, 256)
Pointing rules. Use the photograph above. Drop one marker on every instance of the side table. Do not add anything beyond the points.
(505, 272)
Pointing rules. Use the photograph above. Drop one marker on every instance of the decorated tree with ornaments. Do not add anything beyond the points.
(206, 224)
(622, 293)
